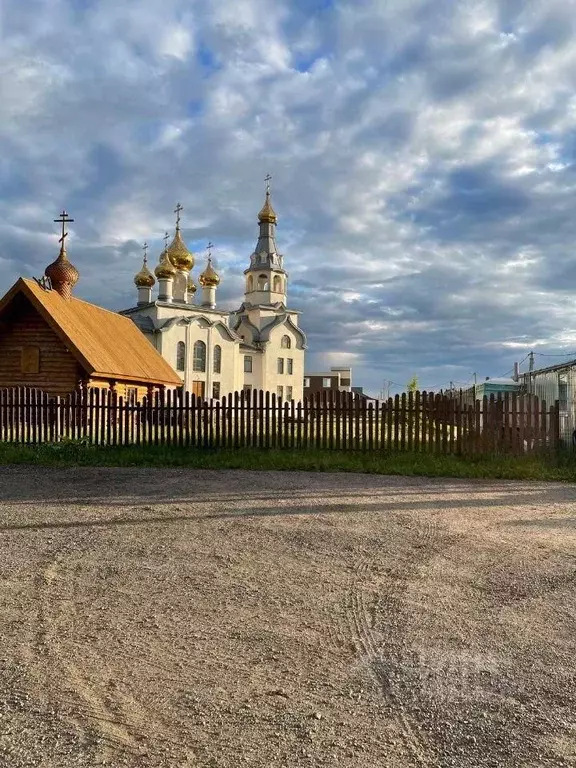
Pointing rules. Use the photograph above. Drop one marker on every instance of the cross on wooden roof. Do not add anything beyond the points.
(64, 219)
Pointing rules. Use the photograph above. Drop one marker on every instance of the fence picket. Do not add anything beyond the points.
(543, 425)
(437, 423)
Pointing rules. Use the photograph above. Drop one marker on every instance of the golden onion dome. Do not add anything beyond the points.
(144, 278)
(209, 278)
(179, 254)
(164, 268)
(191, 285)
(268, 214)
(61, 271)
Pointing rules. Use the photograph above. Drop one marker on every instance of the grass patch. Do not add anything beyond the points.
(70, 453)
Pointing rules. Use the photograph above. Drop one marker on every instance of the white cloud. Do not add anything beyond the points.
(176, 41)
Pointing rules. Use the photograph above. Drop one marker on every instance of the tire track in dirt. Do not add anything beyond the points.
(361, 630)
(113, 724)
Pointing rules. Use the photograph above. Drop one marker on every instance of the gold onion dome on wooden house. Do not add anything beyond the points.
(179, 254)
(267, 213)
(164, 268)
(209, 278)
(144, 278)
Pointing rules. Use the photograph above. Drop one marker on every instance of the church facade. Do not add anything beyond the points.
(214, 351)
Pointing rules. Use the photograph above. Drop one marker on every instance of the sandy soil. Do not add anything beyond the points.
(195, 618)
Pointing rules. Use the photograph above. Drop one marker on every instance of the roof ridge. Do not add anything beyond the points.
(83, 301)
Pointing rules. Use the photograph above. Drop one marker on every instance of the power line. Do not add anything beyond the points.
(512, 369)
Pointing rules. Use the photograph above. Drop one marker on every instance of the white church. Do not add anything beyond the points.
(216, 351)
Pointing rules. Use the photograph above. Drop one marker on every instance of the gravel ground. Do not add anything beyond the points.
(179, 618)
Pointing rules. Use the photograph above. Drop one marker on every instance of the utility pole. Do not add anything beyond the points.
(474, 374)
(531, 362)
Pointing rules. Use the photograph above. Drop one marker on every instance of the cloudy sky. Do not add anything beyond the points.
(422, 154)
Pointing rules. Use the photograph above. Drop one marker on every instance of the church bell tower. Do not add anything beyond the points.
(266, 280)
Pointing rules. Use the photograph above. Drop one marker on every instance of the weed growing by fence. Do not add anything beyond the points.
(78, 453)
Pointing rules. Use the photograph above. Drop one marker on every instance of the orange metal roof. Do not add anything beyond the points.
(106, 344)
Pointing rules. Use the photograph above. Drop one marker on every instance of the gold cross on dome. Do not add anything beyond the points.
(166, 238)
(209, 249)
(177, 211)
(145, 249)
(64, 219)
(268, 179)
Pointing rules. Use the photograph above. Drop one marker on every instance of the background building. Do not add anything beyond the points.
(337, 379)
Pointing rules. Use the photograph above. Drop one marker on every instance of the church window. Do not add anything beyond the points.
(289, 366)
(247, 363)
(277, 283)
(286, 343)
(30, 360)
(180, 356)
(289, 393)
(199, 363)
(280, 365)
(327, 382)
(280, 392)
(262, 282)
(217, 359)
(216, 390)
(250, 284)
(306, 382)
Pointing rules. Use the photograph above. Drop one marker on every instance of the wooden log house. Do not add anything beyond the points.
(52, 341)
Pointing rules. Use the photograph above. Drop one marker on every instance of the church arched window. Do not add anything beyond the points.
(199, 363)
(262, 282)
(250, 284)
(217, 359)
(277, 284)
(285, 343)
(180, 356)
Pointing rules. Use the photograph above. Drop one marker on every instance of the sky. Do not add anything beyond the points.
(422, 155)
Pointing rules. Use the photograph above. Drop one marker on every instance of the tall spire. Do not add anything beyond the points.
(62, 274)
(266, 253)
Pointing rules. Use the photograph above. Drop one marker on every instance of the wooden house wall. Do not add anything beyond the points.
(21, 327)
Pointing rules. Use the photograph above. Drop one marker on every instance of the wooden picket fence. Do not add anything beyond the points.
(420, 421)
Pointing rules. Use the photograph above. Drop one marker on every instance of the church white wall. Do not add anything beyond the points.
(211, 336)
(273, 351)
(266, 297)
(254, 379)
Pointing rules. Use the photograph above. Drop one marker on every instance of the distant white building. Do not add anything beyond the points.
(215, 351)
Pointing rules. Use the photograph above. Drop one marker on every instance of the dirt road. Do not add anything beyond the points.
(194, 618)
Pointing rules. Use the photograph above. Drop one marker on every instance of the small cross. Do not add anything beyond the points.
(64, 219)
(177, 211)
(268, 179)
(166, 238)
(145, 249)
(209, 249)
